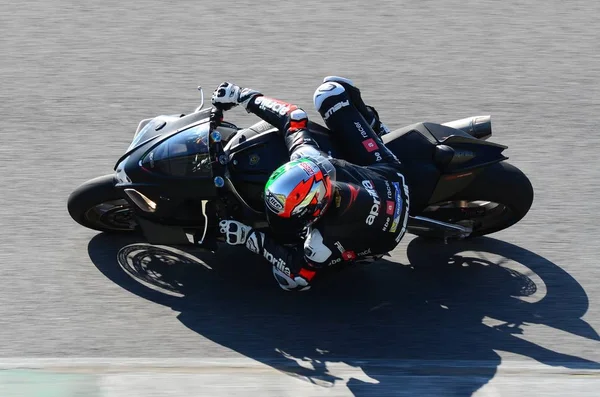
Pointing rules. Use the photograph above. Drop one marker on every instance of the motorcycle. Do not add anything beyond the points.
(181, 174)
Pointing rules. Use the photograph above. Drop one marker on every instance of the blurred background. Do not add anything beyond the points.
(494, 315)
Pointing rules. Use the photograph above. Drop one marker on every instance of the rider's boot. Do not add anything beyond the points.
(368, 112)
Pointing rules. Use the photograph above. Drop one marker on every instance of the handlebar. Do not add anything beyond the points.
(220, 159)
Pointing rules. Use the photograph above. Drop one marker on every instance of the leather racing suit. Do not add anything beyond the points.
(369, 212)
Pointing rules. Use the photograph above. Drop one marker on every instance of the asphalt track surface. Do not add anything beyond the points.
(76, 77)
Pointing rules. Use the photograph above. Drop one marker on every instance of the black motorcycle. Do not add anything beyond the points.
(183, 173)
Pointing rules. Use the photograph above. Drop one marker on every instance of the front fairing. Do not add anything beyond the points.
(161, 127)
(151, 128)
(172, 168)
(185, 154)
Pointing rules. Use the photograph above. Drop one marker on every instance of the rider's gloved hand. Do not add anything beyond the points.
(228, 95)
(235, 232)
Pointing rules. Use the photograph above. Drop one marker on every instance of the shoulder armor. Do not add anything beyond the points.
(315, 249)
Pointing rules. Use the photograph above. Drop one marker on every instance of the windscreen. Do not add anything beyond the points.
(147, 132)
(183, 154)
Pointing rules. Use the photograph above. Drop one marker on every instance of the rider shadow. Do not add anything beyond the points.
(454, 303)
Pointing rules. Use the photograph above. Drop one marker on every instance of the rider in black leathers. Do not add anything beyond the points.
(361, 209)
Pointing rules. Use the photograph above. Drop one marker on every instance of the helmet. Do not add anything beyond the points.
(298, 193)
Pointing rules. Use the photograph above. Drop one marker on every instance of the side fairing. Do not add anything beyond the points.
(415, 150)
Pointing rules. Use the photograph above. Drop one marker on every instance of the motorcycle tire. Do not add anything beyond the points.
(98, 206)
(500, 196)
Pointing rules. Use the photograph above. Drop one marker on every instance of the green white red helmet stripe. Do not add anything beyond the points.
(297, 188)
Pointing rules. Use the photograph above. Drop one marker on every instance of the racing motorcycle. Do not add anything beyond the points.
(182, 174)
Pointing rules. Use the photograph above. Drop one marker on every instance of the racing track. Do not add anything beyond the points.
(516, 312)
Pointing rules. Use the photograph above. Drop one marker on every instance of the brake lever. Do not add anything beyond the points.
(201, 99)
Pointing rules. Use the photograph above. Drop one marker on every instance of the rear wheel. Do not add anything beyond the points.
(97, 205)
(498, 198)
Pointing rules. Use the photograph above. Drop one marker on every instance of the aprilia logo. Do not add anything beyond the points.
(275, 106)
(376, 203)
(278, 263)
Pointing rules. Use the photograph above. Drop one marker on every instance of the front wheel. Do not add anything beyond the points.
(499, 197)
(97, 205)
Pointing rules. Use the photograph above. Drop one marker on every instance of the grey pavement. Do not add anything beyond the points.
(76, 77)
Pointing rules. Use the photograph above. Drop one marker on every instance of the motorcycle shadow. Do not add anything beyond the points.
(387, 321)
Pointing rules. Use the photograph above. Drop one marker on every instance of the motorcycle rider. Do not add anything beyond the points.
(351, 209)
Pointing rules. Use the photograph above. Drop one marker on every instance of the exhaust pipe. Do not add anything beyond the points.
(479, 127)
